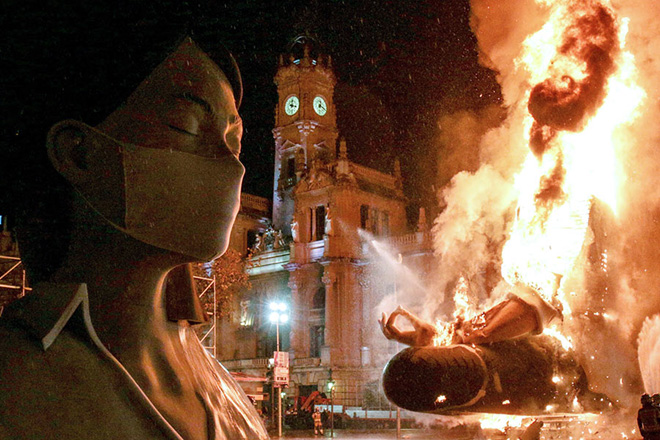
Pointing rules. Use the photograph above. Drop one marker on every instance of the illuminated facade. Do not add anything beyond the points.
(311, 255)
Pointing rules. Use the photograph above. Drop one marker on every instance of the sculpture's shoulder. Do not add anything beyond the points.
(20, 358)
(68, 391)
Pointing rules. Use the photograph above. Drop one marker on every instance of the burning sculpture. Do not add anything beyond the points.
(557, 257)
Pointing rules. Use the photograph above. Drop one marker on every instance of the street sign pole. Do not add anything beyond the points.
(279, 411)
(280, 360)
(280, 380)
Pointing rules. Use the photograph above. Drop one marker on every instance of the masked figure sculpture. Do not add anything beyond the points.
(99, 350)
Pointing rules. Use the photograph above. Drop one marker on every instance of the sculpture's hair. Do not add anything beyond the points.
(76, 62)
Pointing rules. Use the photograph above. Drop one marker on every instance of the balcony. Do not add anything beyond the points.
(245, 364)
(307, 362)
(268, 261)
(411, 242)
(255, 203)
(308, 252)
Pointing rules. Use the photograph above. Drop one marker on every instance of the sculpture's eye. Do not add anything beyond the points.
(182, 130)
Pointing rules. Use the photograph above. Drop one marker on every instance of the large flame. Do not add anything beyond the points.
(582, 89)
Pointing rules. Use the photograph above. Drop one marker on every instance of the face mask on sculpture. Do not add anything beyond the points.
(164, 166)
(173, 200)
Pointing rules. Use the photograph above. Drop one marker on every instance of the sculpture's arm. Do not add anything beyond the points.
(523, 313)
(421, 336)
(507, 320)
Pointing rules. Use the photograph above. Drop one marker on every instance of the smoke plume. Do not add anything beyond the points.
(459, 136)
(564, 102)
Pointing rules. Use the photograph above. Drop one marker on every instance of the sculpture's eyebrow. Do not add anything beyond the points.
(191, 97)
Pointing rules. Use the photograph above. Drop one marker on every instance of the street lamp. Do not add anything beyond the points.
(278, 315)
(331, 388)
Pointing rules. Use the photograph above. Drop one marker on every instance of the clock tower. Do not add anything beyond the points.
(305, 124)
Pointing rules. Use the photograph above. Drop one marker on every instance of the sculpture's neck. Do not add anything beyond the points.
(124, 279)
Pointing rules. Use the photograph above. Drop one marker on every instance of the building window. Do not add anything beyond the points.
(291, 167)
(310, 222)
(320, 222)
(316, 339)
(384, 223)
(373, 221)
(318, 302)
(316, 322)
(364, 216)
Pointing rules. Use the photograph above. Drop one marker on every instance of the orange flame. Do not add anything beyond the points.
(581, 90)
(584, 90)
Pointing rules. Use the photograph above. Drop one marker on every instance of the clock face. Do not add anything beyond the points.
(320, 107)
(291, 106)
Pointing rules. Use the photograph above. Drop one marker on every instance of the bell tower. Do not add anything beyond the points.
(305, 123)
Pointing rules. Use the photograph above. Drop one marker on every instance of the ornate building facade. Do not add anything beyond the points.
(317, 253)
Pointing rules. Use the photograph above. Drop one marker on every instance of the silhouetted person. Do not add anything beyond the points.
(318, 422)
(648, 419)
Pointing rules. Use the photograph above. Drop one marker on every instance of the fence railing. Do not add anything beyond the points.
(245, 363)
(307, 362)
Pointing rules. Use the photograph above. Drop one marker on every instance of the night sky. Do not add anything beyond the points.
(400, 65)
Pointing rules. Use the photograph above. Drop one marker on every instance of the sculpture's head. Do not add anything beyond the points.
(147, 135)
(163, 167)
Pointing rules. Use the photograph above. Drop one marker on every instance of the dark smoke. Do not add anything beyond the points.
(550, 187)
(540, 137)
(564, 103)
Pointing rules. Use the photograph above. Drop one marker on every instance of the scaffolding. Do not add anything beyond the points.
(13, 283)
(207, 288)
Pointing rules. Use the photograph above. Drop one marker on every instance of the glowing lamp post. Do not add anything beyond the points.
(331, 388)
(278, 316)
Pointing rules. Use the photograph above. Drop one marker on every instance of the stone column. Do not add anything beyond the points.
(332, 314)
(352, 315)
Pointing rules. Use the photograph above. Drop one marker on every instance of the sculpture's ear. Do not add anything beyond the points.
(92, 162)
(68, 146)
